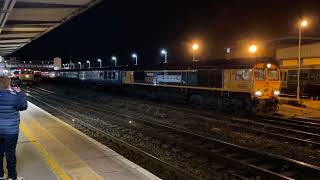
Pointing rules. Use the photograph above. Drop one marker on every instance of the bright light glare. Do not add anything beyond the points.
(258, 93)
(113, 58)
(268, 65)
(79, 62)
(253, 48)
(99, 60)
(163, 51)
(195, 46)
(88, 61)
(276, 93)
(134, 55)
(304, 23)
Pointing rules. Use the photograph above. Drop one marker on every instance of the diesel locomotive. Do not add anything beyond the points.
(222, 85)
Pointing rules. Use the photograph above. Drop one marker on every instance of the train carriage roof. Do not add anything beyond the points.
(213, 64)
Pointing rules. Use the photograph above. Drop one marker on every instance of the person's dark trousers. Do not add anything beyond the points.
(8, 144)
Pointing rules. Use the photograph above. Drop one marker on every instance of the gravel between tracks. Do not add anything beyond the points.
(222, 130)
(175, 154)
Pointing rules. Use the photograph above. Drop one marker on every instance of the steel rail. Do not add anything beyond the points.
(293, 163)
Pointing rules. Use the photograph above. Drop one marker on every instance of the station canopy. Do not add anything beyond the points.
(22, 21)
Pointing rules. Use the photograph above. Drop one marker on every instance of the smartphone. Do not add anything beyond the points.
(15, 82)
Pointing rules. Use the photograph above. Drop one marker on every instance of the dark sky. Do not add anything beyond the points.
(119, 27)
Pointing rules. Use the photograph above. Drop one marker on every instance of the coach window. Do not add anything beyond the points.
(318, 76)
(304, 75)
(260, 74)
(109, 75)
(113, 75)
(292, 75)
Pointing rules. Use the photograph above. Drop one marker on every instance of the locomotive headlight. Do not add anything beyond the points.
(258, 93)
(276, 93)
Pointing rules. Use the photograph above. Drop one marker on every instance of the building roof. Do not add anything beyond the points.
(22, 21)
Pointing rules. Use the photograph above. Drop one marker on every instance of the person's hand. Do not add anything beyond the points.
(17, 89)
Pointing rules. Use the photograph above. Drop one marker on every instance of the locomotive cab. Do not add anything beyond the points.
(266, 87)
(26, 76)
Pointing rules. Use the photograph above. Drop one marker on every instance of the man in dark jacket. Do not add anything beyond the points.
(11, 102)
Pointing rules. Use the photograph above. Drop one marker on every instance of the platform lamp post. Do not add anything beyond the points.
(253, 50)
(79, 64)
(165, 53)
(100, 62)
(113, 58)
(303, 24)
(195, 48)
(135, 56)
(89, 65)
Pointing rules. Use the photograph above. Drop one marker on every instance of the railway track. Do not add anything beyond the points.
(99, 133)
(303, 133)
(251, 163)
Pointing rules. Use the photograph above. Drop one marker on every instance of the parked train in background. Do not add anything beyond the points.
(309, 78)
(222, 85)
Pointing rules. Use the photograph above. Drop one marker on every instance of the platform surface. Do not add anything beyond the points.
(51, 149)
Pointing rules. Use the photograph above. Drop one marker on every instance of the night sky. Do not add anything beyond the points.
(120, 27)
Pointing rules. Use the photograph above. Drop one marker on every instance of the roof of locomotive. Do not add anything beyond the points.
(213, 64)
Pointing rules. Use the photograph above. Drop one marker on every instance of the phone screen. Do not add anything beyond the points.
(15, 83)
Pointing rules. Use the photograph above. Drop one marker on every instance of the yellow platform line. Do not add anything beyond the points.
(54, 166)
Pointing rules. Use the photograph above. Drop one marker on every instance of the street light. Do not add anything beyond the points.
(79, 64)
(135, 56)
(115, 60)
(252, 49)
(100, 62)
(195, 47)
(303, 24)
(165, 53)
(88, 64)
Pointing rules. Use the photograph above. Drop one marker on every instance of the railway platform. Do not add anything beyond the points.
(50, 149)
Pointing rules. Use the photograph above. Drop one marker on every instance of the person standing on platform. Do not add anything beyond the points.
(12, 100)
